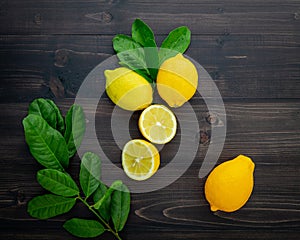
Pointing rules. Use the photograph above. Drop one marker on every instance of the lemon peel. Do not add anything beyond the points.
(127, 89)
(229, 186)
(177, 80)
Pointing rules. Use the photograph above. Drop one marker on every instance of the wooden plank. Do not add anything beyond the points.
(108, 17)
(251, 50)
(268, 131)
(241, 65)
(36, 230)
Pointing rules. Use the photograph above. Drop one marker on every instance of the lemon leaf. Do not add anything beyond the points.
(57, 182)
(75, 128)
(90, 171)
(176, 42)
(116, 185)
(41, 107)
(152, 61)
(84, 228)
(130, 52)
(60, 120)
(49, 205)
(104, 209)
(143, 34)
(120, 207)
(46, 144)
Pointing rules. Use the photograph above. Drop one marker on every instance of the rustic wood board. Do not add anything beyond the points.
(242, 66)
(250, 48)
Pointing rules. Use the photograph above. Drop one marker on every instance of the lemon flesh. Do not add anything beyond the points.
(177, 80)
(127, 89)
(140, 159)
(158, 124)
(229, 186)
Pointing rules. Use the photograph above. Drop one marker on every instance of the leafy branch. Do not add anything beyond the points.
(53, 140)
(140, 52)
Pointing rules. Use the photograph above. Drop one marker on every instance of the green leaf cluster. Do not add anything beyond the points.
(52, 140)
(140, 53)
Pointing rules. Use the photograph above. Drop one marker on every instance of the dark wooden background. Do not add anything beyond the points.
(250, 48)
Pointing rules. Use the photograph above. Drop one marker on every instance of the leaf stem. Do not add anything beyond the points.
(100, 218)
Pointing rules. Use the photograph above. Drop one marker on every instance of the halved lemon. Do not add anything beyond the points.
(158, 124)
(140, 159)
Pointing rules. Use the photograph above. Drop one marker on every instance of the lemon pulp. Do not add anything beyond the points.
(140, 159)
(158, 124)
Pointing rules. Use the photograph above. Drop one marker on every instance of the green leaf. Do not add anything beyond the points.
(114, 186)
(143, 34)
(104, 209)
(57, 182)
(48, 110)
(152, 61)
(90, 170)
(122, 43)
(49, 205)
(84, 228)
(60, 126)
(75, 128)
(177, 41)
(132, 60)
(43, 108)
(46, 144)
(120, 206)
(130, 52)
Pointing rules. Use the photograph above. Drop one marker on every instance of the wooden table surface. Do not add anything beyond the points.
(251, 49)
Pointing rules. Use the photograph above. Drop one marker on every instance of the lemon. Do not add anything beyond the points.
(127, 89)
(177, 80)
(229, 185)
(158, 124)
(140, 159)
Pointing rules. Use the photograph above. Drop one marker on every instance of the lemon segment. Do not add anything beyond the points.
(158, 124)
(140, 159)
(127, 89)
(177, 80)
(229, 186)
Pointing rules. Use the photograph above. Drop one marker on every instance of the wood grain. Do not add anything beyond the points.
(108, 17)
(271, 142)
(250, 48)
(242, 66)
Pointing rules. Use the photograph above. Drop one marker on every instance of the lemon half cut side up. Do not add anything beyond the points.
(158, 124)
(140, 159)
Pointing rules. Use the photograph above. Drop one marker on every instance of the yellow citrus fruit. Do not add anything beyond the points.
(158, 124)
(127, 89)
(177, 80)
(229, 186)
(140, 159)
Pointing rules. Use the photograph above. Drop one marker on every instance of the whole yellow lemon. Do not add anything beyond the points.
(229, 186)
(177, 80)
(127, 89)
